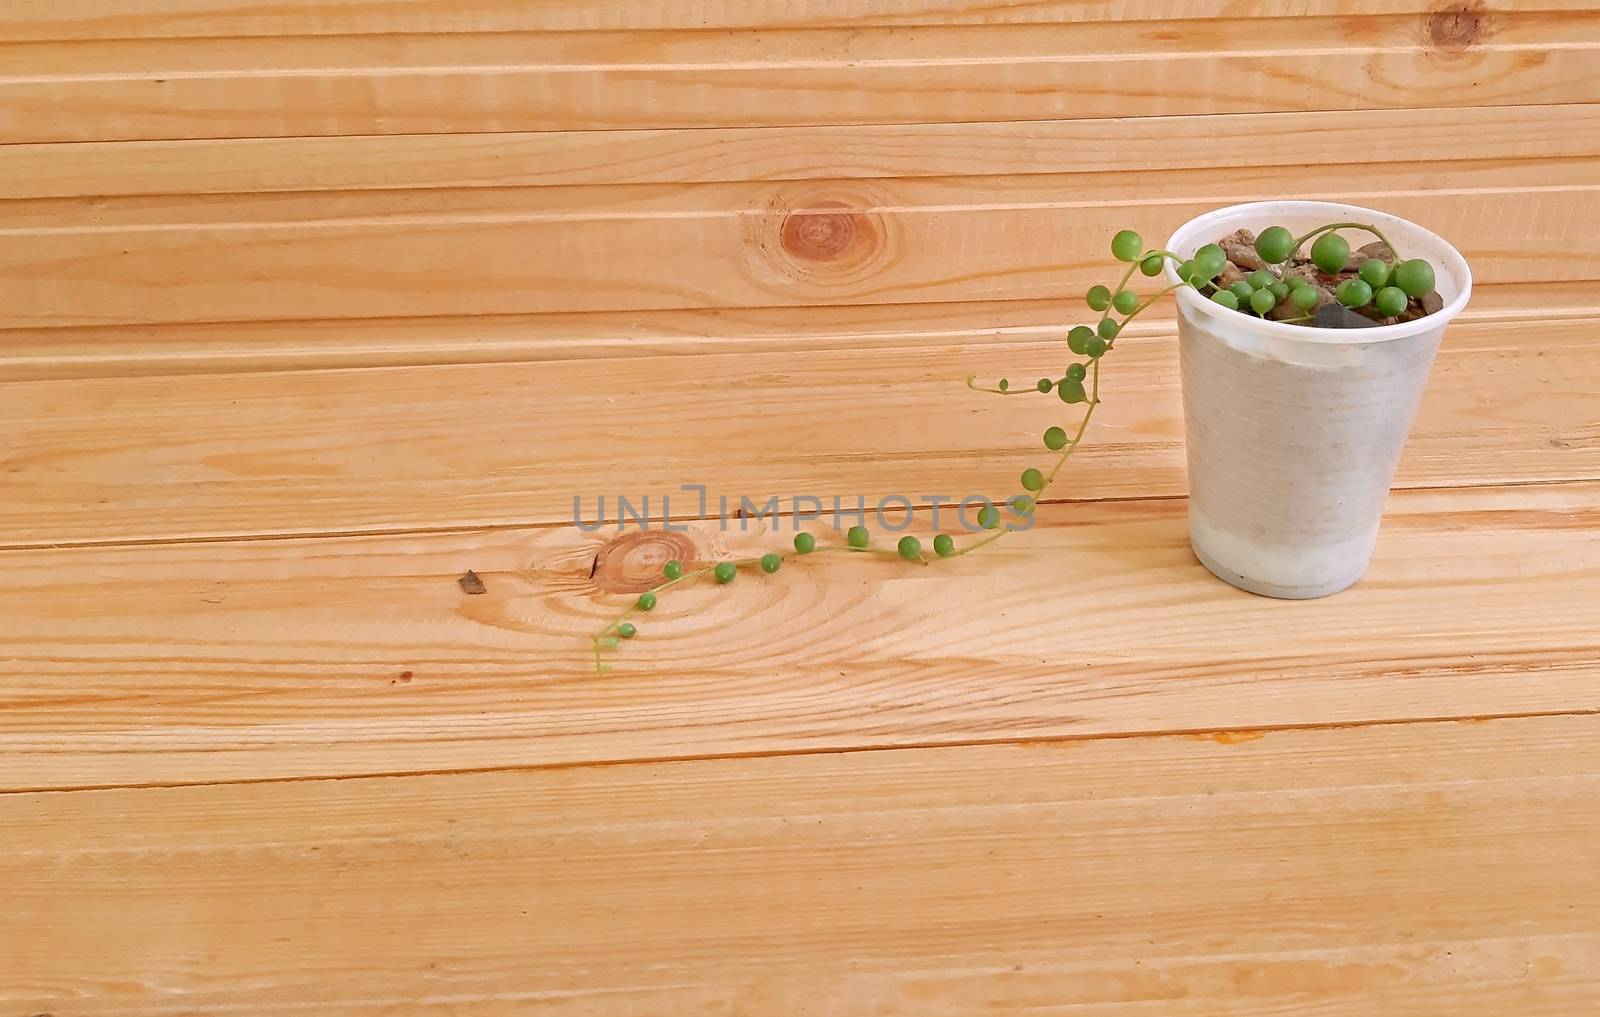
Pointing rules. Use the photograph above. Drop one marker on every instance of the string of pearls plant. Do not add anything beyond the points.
(1385, 286)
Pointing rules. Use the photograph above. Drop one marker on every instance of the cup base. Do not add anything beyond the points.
(1272, 590)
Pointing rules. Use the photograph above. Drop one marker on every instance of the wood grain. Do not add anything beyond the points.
(390, 449)
(362, 254)
(211, 19)
(1410, 872)
(318, 85)
(216, 661)
(588, 158)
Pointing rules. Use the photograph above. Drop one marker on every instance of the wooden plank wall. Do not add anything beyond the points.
(306, 306)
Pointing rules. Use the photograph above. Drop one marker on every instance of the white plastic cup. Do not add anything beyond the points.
(1293, 433)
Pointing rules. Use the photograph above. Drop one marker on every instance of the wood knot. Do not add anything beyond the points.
(828, 232)
(1458, 26)
(631, 561)
(820, 234)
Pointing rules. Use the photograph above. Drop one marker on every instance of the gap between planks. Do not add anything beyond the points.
(1232, 735)
(237, 347)
(312, 164)
(515, 525)
(244, 20)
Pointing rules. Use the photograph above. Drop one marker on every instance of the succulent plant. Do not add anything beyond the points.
(1386, 285)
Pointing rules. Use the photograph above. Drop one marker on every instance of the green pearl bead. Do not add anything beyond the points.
(857, 537)
(1032, 479)
(1391, 301)
(1375, 273)
(1022, 504)
(1415, 277)
(1306, 297)
(1070, 391)
(1242, 290)
(943, 545)
(725, 571)
(1125, 301)
(1055, 439)
(1227, 298)
(1260, 279)
(1098, 298)
(1262, 301)
(1330, 252)
(910, 548)
(771, 563)
(1275, 244)
(805, 543)
(1076, 372)
(1126, 245)
(1353, 293)
(1078, 337)
(1044, 384)
(989, 517)
(647, 601)
(1108, 329)
(1097, 348)
(626, 630)
(1004, 384)
(672, 569)
(1151, 266)
(1209, 260)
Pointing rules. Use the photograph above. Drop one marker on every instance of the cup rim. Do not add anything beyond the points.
(1191, 300)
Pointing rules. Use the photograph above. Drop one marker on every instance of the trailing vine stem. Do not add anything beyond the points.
(1081, 384)
(614, 631)
(619, 627)
(610, 634)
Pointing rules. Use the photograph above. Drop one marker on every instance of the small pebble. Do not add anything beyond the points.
(1240, 247)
